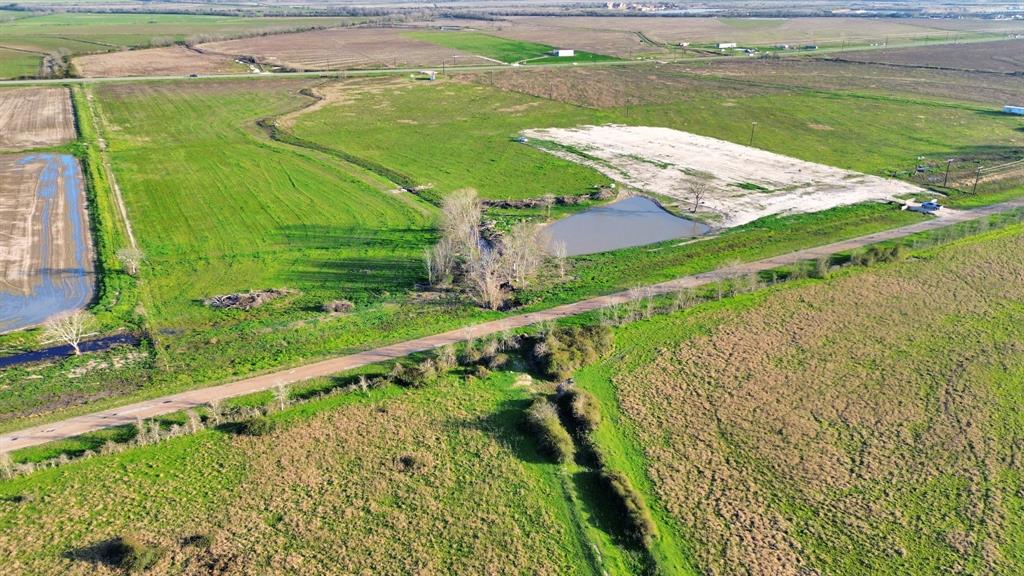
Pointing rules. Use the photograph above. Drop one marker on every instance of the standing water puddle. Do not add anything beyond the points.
(635, 221)
(60, 275)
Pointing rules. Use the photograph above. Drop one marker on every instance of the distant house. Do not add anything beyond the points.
(782, 46)
(810, 46)
(724, 45)
(1018, 110)
(429, 74)
(561, 53)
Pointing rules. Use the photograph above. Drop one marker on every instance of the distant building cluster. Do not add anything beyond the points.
(635, 6)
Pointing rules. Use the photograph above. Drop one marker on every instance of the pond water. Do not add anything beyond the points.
(60, 278)
(635, 221)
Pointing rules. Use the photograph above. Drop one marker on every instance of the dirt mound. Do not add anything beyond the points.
(247, 300)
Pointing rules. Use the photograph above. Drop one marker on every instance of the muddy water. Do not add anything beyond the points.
(63, 280)
(631, 222)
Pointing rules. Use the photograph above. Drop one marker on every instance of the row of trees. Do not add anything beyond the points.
(486, 268)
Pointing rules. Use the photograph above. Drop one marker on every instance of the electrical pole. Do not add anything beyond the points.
(977, 176)
(753, 126)
(945, 180)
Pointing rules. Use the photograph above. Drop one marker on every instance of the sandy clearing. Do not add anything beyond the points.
(172, 60)
(666, 162)
(35, 117)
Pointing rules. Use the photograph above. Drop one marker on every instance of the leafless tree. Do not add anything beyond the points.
(698, 190)
(460, 221)
(548, 201)
(69, 328)
(130, 258)
(559, 251)
(281, 396)
(441, 261)
(522, 252)
(484, 280)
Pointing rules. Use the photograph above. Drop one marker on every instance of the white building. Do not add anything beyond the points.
(1018, 110)
(563, 53)
(724, 45)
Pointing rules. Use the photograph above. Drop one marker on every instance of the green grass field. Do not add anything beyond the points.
(274, 504)
(82, 33)
(831, 435)
(502, 49)
(15, 64)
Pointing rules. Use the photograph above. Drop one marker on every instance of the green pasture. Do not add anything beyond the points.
(468, 435)
(80, 33)
(15, 64)
(503, 49)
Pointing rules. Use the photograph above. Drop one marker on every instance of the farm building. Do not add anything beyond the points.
(724, 45)
(561, 53)
(1018, 110)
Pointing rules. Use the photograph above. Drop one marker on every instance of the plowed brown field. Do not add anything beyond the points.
(342, 48)
(35, 117)
(155, 62)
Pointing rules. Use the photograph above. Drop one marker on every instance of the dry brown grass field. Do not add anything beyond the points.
(837, 75)
(551, 31)
(865, 424)
(35, 117)
(766, 30)
(1006, 56)
(342, 48)
(171, 60)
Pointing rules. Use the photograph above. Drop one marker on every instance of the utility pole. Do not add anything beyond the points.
(945, 180)
(977, 176)
(753, 126)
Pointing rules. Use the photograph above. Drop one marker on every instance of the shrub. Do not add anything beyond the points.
(497, 361)
(258, 426)
(641, 526)
(445, 358)
(582, 409)
(563, 350)
(414, 463)
(551, 435)
(481, 372)
(470, 354)
(338, 306)
(132, 554)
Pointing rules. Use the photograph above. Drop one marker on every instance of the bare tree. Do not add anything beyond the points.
(522, 252)
(281, 398)
(484, 279)
(69, 328)
(441, 262)
(559, 251)
(130, 258)
(460, 221)
(698, 190)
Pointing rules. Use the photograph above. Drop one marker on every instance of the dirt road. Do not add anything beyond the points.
(194, 398)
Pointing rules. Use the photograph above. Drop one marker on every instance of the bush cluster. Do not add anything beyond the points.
(642, 528)
(879, 254)
(130, 554)
(561, 351)
(554, 441)
(338, 306)
(582, 410)
(258, 426)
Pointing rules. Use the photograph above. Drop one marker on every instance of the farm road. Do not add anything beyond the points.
(194, 398)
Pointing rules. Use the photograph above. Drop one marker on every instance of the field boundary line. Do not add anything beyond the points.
(101, 142)
(131, 413)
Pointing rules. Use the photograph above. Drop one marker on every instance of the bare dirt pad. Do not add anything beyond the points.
(45, 263)
(35, 117)
(1006, 57)
(340, 49)
(172, 60)
(745, 183)
(819, 433)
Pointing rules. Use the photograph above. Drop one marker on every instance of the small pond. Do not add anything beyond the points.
(635, 221)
